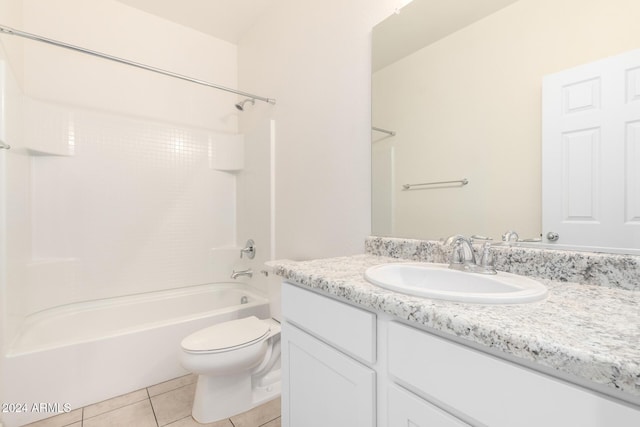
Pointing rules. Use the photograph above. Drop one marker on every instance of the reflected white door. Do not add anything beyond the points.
(591, 153)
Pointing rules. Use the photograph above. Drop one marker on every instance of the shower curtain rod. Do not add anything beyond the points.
(14, 32)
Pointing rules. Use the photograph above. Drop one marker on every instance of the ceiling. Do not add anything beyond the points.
(419, 24)
(423, 22)
(224, 19)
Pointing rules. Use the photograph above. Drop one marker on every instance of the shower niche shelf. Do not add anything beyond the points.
(227, 152)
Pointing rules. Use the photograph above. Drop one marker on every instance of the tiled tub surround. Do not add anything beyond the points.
(582, 332)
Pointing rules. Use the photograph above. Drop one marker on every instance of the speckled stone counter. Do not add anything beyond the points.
(587, 332)
(605, 269)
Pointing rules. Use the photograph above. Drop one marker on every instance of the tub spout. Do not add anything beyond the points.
(246, 272)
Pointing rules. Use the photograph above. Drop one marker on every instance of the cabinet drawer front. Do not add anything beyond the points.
(346, 327)
(480, 388)
(406, 409)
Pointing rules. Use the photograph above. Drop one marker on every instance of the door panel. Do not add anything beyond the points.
(591, 153)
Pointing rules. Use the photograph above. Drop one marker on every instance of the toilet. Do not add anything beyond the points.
(237, 363)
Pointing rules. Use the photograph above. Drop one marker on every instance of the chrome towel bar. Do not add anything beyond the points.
(4, 145)
(463, 181)
(390, 132)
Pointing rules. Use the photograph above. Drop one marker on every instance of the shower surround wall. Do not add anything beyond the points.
(119, 181)
(122, 194)
(134, 207)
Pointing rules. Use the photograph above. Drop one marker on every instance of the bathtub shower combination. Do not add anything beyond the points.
(82, 322)
(118, 239)
(90, 351)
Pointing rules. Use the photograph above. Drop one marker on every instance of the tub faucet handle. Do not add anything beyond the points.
(249, 249)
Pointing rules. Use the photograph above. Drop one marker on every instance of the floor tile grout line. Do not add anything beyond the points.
(114, 409)
(179, 419)
(148, 398)
(169, 391)
(264, 424)
(153, 410)
(172, 389)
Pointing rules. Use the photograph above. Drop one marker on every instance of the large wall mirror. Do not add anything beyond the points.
(458, 86)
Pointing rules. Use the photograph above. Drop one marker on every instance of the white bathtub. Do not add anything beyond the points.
(87, 352)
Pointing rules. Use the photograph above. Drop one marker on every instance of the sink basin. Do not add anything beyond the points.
(440, 282)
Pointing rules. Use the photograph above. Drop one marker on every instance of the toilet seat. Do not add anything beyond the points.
(227, 336)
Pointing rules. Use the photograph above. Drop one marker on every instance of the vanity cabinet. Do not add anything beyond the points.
(345, 366)
(324, 344)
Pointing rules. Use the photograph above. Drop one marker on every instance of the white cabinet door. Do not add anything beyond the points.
(591, 153)
(407, 409)
(323, 387)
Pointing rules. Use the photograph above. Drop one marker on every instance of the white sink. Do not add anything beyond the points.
(440, 282)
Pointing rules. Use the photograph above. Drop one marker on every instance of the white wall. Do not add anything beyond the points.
(314, 57)
(469, 106)
(10, 11)
(254, 201)
(16, 215)
(111, 27)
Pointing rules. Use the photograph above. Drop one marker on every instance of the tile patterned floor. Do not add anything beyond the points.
(166, 404)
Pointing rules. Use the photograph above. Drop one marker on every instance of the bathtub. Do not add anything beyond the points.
(83, 353)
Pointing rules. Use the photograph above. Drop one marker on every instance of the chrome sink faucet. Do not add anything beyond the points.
(464, 258)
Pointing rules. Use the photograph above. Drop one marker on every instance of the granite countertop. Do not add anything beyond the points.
(589, 332)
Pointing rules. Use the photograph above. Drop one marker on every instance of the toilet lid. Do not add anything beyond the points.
(226, 335)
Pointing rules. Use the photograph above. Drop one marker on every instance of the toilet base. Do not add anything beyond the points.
(221, 397)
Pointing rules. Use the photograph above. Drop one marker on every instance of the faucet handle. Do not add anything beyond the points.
(249, 249)
(486, 260)
(510, 236)
(487, 257)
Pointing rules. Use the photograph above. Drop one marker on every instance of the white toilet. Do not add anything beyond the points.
(238, 366)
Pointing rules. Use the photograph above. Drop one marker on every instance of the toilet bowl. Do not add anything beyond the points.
(238, 366)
